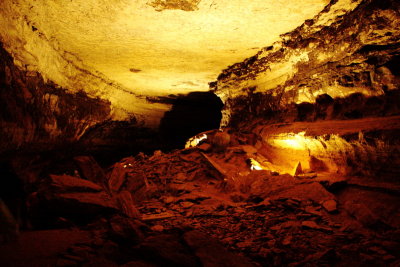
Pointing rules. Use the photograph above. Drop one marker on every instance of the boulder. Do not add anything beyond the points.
(117, 177)
(330, 205)
(90, 170)
(298, 169)
(66, 183)
(126, 205)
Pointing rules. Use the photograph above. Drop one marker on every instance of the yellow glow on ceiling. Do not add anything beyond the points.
(151, 47)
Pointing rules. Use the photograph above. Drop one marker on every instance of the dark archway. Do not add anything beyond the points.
(190, 114)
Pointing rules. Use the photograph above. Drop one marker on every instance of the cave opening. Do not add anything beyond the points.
(190, 115)
(200, 139)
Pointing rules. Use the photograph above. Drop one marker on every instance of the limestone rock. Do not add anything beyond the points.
(127, 205)
(297, 169)
(66, 183)
(221, 140)
(330, 205)
(117, 177)
(90, 170)
(299, 64)
(157, 228)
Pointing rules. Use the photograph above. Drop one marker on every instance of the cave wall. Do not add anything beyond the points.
(351, 47)
(38, 116)
(326, 96)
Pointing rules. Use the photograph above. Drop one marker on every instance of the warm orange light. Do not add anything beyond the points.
(255, 166)
(194, 141)
(291, 140)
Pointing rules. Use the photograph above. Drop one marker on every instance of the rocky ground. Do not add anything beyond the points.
(204, 206)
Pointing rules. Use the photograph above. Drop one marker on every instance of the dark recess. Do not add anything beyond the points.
(191, 114)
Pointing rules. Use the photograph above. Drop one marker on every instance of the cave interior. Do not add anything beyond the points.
(200, 133)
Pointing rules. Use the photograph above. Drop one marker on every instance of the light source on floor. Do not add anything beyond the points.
(254, 165)
(195, 140)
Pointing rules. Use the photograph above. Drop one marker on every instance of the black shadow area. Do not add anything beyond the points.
(190, 114)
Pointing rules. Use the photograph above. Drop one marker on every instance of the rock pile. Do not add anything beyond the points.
(206, 207)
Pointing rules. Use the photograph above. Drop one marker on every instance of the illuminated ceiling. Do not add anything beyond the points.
(122, 50)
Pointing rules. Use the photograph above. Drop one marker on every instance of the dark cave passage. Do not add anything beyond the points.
(190, 115)
(293, 157)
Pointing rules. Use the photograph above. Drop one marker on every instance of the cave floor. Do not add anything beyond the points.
(201, 207)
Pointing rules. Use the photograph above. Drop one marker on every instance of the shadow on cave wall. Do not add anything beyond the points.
(190, 114)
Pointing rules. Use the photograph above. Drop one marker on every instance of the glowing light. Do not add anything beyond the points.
(255, 166)
(291, 140)
(195, 140)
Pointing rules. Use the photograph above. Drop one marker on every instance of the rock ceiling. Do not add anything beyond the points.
(125, 50)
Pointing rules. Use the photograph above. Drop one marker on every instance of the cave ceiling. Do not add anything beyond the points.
(127, 50)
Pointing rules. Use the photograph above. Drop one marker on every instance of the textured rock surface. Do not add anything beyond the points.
(350, 47)
(35, 115)
(366, 146)
(124, 50)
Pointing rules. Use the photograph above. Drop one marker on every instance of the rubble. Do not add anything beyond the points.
(175, 208)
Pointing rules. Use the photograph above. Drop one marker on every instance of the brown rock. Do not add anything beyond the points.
(317, 164)
(168, 200)
(181, 176)
(362, 213)
(126, 204)
(308, 191)
(287, 240)
(250, 150)
(66, 183)
(244, 244)
(79, 207)
(221, 140)
(82, 200)
(205, 147)
(117, 177)
(289, 224)
(186, 204)
(298, 169)
(313, 210)
(310, 224)
(126, 229)
(157, 228)
(90, 170)
(315, 226)
(137, 184)
(159, 216)
(330, 205)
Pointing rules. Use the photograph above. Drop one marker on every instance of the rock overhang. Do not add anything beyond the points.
(124, 51)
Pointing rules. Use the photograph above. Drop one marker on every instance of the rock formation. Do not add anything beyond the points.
(302, 169)
(350, 47)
